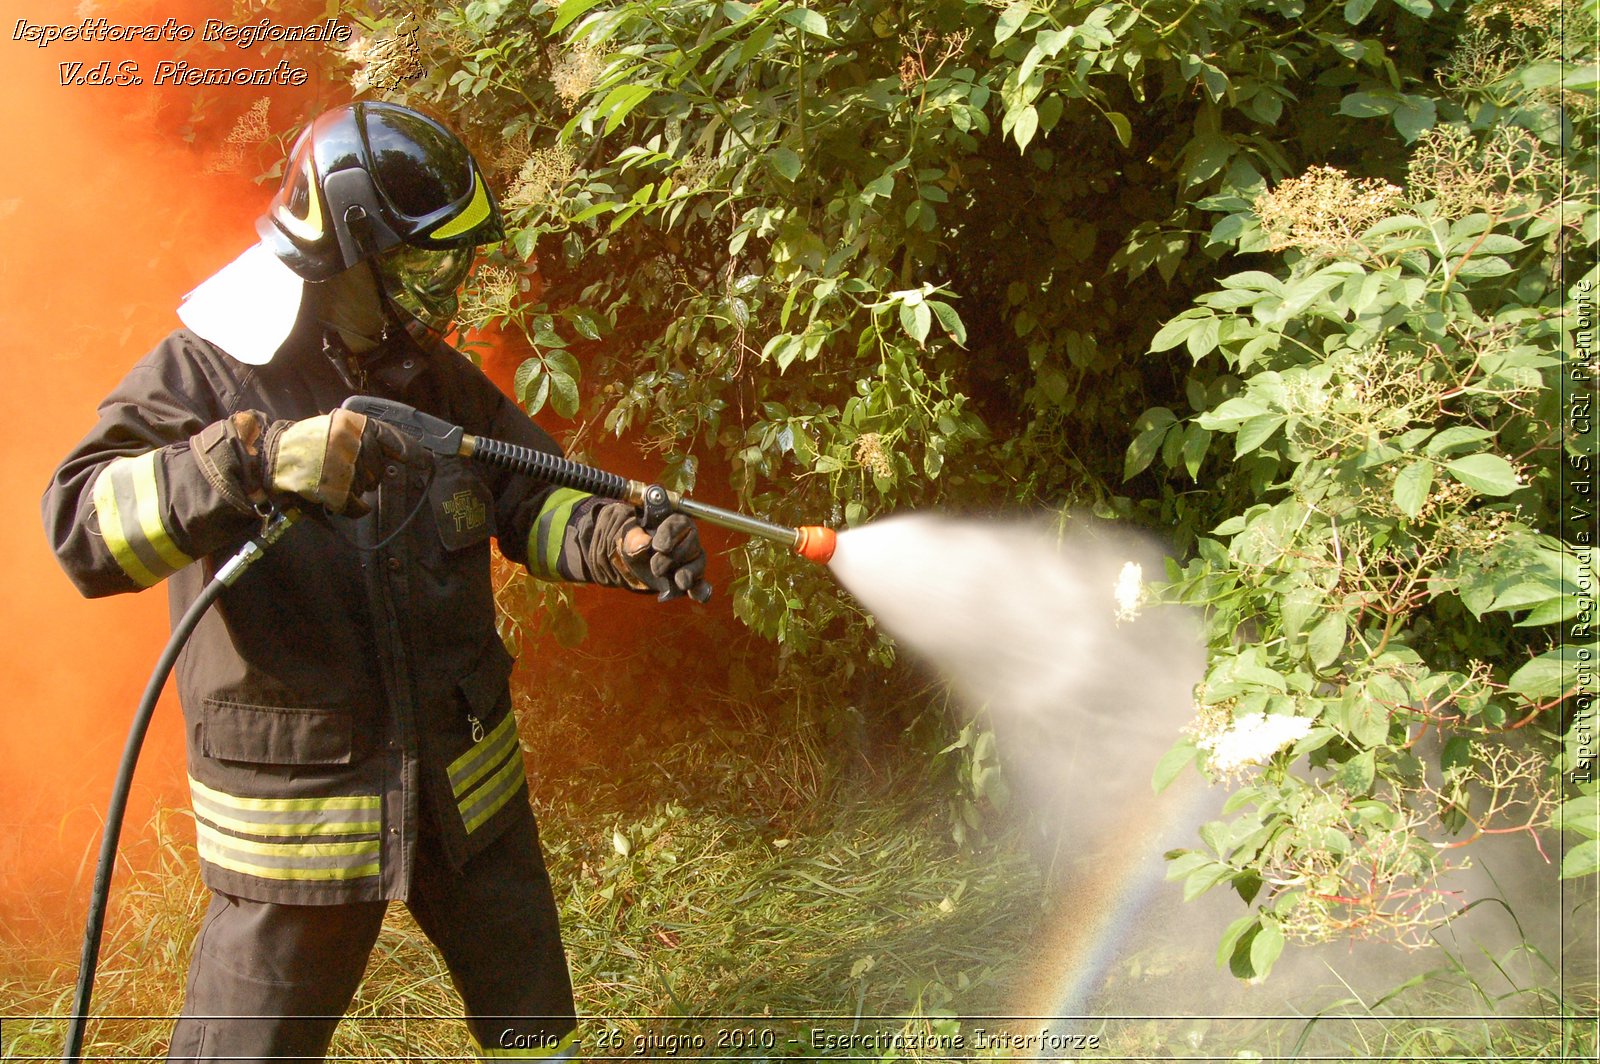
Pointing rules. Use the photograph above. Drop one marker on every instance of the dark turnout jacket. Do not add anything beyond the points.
(350, 690)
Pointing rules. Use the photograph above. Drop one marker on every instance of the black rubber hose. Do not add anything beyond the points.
(94, 925)
(550, 468)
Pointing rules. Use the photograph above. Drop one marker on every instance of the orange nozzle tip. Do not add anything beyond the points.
(815, 543)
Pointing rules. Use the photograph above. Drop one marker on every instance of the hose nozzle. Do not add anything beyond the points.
(815, 543)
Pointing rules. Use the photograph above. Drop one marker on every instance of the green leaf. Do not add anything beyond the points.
(1255, 431)
(1175, 331)
(563, 393)
(1368, 105)
(570, 10)
(1202, 339)
(587, 324)
(1266, 948)
(1026, 125)
(1196, 439)
(806, 20)
(1356, 10)
(1455, 438)
(1123, 127)
(1411, 487)
(523, 240)
(1326, 640)
(1356, 774)
(785, 162)
(916, 320)
(528, 372)
(1239, 929)
(1174, 761)
(1414, 116)
(1011, 20)
(949, 321)
(1143, 450)
(1489, 474)
(1582, 860)
(1554, 672)
(1239, 962)
(620, 101)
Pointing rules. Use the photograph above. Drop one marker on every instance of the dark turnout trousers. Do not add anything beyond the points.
(270, 981)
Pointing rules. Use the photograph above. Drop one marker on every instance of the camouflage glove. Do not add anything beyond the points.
(332, 459)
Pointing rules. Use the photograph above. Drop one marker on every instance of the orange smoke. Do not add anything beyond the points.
(113, 204)
(107, 217)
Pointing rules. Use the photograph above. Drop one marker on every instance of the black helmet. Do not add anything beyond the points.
(367, 177)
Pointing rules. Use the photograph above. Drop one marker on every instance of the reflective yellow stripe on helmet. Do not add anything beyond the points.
(127, 502)
(474, 214)
(309, 227)
(541, 1048)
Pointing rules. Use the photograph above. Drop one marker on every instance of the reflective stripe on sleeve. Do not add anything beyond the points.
(564, 1049)
(550, 531)
(127, 502)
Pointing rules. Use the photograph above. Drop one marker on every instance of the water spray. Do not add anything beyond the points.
(815, 543)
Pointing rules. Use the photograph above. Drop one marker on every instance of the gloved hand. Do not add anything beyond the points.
(332, 459)
(669, 561)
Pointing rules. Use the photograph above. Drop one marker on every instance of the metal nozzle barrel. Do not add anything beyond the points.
(811, 542)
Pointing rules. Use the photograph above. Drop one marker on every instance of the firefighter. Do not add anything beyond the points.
(346, 703)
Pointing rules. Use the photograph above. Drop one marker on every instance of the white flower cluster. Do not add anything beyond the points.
(1129, 591)
(1251, 739)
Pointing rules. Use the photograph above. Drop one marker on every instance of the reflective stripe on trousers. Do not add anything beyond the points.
(269, 980)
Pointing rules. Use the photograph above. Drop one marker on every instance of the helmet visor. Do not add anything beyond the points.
(424, 282)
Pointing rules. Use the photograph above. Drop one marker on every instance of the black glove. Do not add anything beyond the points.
(669, 560)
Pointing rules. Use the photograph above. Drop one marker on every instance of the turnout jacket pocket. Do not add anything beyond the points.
(484, 775)
(276, 735)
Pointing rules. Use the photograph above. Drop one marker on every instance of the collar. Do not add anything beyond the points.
(388, 369)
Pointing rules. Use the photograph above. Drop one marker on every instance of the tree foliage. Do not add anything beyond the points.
(860, 257)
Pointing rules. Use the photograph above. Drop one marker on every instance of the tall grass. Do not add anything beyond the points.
(733, 892)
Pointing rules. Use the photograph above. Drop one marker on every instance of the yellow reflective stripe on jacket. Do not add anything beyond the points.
(288, 860)
(564, 1049)
(489, 799)
(327, 816)
(306, 839)
(489, 775)
(550, 531)
(127, 504)
(470, 767)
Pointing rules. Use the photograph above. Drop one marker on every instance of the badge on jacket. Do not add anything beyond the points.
(461, 508)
